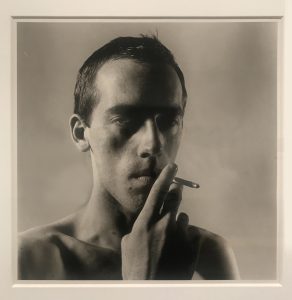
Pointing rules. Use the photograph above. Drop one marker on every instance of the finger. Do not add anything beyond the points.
(182, 222)
(182, 228)
(163, 223)
(172, 200)
(158, 193)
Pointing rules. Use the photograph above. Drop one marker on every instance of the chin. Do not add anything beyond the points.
(137, 202)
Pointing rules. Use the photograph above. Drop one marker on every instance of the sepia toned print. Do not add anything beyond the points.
(144, 112)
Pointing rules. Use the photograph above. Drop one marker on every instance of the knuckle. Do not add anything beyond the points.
(165, 221)
(140, 228)
(124, 240)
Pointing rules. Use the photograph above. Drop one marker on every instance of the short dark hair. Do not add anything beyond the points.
(146, 49)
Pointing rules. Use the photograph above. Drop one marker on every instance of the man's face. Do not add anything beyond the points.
(135, 129)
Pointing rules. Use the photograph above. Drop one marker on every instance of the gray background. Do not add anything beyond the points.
(229, 144)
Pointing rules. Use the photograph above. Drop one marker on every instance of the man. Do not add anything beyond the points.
(130, 99)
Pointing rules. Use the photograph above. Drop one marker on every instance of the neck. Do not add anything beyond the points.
(102, 221)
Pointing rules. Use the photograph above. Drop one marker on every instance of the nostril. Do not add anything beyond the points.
(149, 152)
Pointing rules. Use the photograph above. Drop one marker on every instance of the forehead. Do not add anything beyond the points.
(128, 82)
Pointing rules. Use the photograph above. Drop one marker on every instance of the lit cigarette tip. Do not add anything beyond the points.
(186, 182)
(196, 185)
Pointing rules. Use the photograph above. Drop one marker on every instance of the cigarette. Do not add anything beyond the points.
(186, 182)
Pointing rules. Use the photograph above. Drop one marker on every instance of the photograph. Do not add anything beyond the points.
(147, 150)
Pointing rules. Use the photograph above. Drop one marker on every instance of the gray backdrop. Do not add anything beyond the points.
(230, 135)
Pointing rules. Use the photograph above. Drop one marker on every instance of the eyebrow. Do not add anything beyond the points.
(135, 109)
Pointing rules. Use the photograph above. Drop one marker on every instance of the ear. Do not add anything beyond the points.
(78, 135)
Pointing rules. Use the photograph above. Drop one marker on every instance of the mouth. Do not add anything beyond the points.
(144, 178)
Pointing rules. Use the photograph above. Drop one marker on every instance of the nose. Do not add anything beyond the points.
(151, 140)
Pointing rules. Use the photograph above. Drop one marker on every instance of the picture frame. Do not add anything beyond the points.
(15, 290)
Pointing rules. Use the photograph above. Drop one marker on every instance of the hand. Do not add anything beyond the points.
(158, 246)
(178, 257)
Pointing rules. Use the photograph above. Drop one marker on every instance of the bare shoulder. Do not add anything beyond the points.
(38, 255)
(215, 257)
(53, 252)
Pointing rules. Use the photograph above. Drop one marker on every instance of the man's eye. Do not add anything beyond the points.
(166, 122)
(121, 121)
(126, 122)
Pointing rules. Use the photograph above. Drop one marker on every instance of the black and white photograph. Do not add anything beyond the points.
(147, 150)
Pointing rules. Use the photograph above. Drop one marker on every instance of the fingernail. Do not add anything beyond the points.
(173, 167)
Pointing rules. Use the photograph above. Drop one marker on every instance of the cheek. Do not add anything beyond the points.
(172, 144)
(115, 144)
(110, 147)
